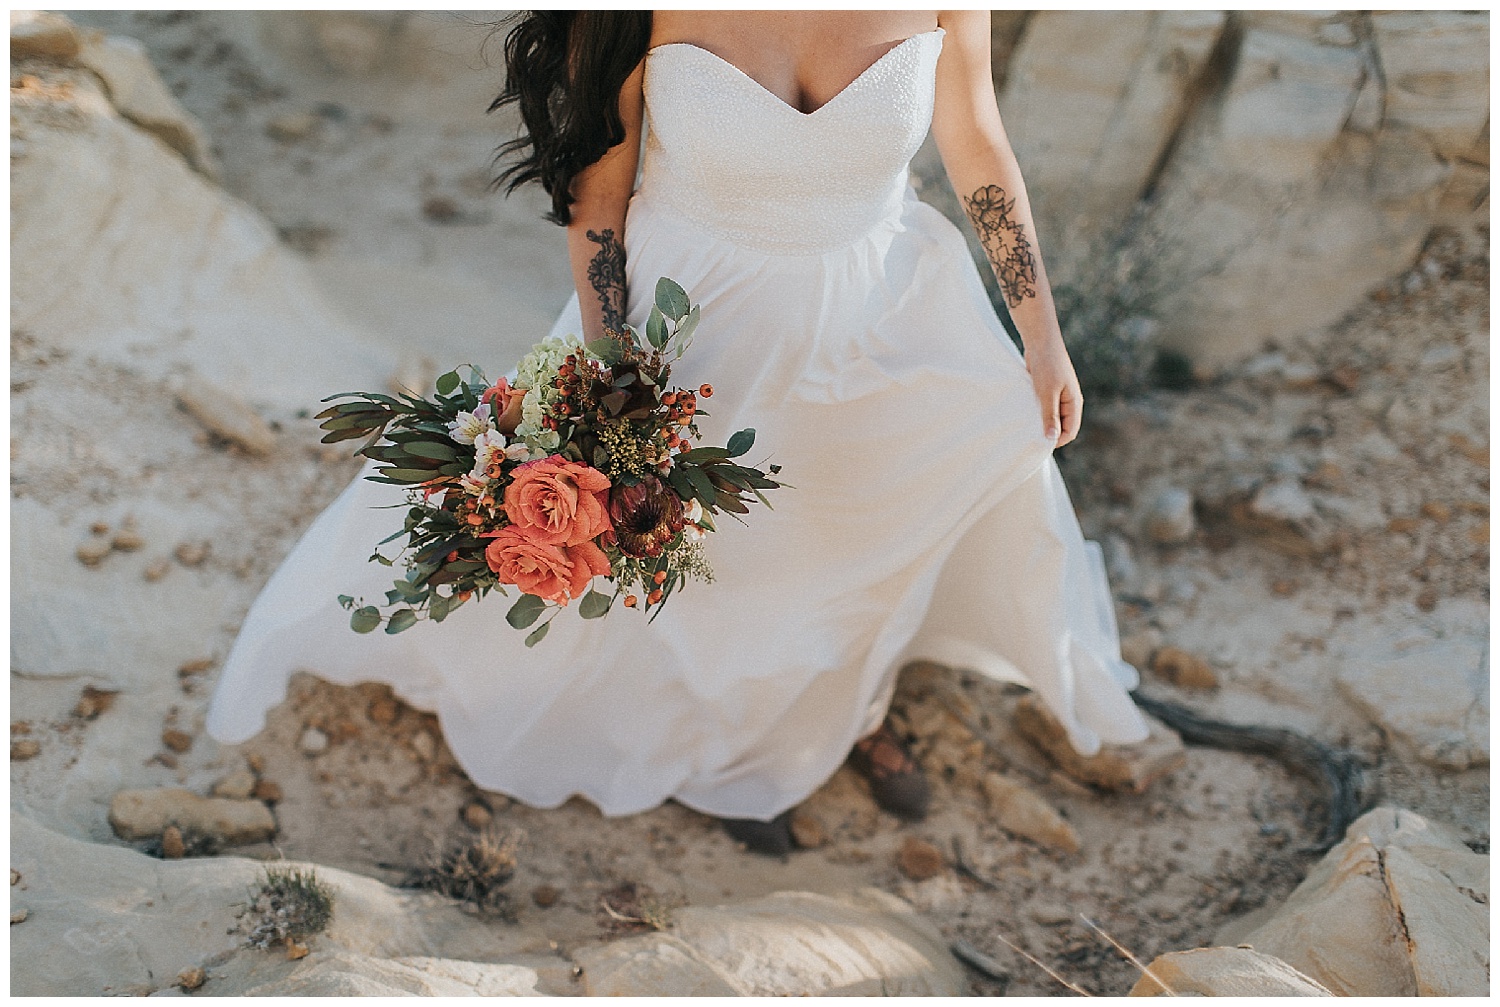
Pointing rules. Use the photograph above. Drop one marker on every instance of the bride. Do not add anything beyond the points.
(846, 322)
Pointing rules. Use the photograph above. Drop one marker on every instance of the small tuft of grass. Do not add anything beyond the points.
(289, 904)
(473, 868)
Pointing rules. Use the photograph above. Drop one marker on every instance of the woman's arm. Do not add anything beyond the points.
(982, 167)
(596, 233)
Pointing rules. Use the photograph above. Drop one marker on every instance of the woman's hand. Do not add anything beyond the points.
(1057, 388)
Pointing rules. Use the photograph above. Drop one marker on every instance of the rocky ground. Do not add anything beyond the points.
(1302, 542)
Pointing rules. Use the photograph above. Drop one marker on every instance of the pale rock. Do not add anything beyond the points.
(1346, 927)
(1169, 519)
(1432, 700)
(143, 814)
(37, 33)
(866, 943)
(656, 965)
(139, 95)
(293, 126)
(1436, 65)
(1225, 972)
(1023, 812)
(1119, 559)
(120, 916)
(228, 416)
(1131, 768)
(1137, 648)
(1282, 500)
(313, 742)
(236, 785)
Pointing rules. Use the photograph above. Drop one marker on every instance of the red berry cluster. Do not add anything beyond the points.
(572, 383)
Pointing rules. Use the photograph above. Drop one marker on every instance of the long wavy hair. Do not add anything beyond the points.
(563, 71)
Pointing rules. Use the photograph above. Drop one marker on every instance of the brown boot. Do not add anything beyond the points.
(896, 781)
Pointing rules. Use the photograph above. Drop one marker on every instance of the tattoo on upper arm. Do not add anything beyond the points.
(607, 277)
(1004, 240)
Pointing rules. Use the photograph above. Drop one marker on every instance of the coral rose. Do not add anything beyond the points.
(558, 502)
(506, 403)
(555, 573)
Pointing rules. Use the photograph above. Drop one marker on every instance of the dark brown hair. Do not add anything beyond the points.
(563, 71)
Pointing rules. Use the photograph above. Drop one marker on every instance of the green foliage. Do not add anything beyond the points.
(289, 904)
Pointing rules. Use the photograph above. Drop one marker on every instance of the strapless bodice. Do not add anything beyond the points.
(742, 164)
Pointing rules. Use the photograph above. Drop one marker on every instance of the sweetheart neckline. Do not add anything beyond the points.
(777, 98)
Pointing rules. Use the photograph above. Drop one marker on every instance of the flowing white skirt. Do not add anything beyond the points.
(928, 520)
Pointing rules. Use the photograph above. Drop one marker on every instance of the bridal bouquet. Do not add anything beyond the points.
(584, 467)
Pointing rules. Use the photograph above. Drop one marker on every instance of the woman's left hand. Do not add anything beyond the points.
(1057, 388)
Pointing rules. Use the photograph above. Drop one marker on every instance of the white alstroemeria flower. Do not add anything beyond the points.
(694, 512)
(489, 452)
(692, 533)
(472, 485)
(467, 426)
(518, 453)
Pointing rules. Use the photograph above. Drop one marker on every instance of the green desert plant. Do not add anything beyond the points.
(473, 868)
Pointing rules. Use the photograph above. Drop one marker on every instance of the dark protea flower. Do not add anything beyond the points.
(646, 515)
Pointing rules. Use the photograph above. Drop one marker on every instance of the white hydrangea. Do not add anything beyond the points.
(539, 367)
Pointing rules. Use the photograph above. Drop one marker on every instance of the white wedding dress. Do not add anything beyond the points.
(844, 320)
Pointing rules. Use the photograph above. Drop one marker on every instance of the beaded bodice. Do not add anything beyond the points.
(746, 166)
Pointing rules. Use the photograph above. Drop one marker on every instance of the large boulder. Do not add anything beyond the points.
(867, 943)
(1432, 700)
(1399, 908)
(104, 919)
(1224, 972)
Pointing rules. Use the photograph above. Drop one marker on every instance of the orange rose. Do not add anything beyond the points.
(558, 502)
(552, 572)
(506, 405)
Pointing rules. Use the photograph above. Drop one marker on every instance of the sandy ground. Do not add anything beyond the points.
(388, 205)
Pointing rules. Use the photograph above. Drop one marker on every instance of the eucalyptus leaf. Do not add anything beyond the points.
(402, 618)
(432, 449)
(438, 607)
(671, 298)
(446, 383)
(535, 636)
(364, 620)
(741, 442)
(656, 327)
(594, 605)
(525, 611)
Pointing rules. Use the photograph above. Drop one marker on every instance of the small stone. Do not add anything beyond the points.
(191, 553)
(24, 749)
(1184, 670)
(194, 667)
(1051, 914)
(1402, 525)
(1345, 378)
(1137, 648)
(441, 209)
(292, 127)
(228, 416)
(127, 540)
(99, 528)
(1169, 521)
(476, 815)
(1427, 599)
(425, 745)
(191, 979)
(313, 741)
(165, 758)
(808, 831)
(92, 552)
(172, 846)
(267, 790)
(545, 896)
(42, 34)
(1438, 511)
(92, 702)
(256, 762)
(1284, 587)
(1023, 812)
(1327, 476)
(15, 875)
(145, 814)
(384, 711)
(18, 916)
(295, 951)
(177, 741)
(1282, 499)
(919, 859)
(157, 570)
(237, 785)
(1130, 768)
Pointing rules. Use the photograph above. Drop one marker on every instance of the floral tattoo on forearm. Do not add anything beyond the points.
(607, 277)
(1004, 240)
